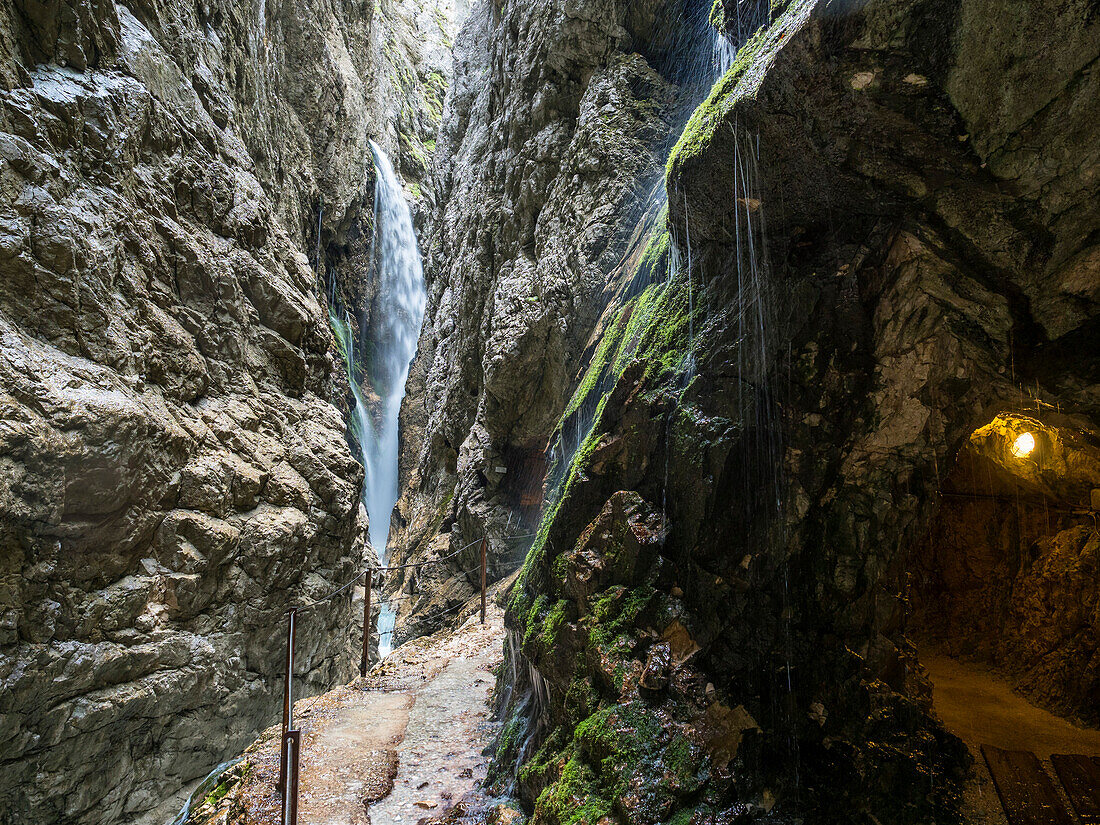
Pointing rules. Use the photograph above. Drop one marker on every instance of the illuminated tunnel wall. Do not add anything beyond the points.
(1010, 572)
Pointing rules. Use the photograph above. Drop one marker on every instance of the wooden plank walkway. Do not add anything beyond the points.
(1080, 776)
(1026, 790)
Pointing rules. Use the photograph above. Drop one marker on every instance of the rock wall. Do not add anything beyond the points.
(882, 234)
(881, 228)
(408, 49)
(553, 142)
(174, 473)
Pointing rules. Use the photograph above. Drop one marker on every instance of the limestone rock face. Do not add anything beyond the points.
(554, 136)
(882, 241)
(408, 55)
(173, 474)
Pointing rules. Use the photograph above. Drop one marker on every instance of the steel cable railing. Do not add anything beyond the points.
(290, 743)
(360, 576)
(391, 569)
(429, 563)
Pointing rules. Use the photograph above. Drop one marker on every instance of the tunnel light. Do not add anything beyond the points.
(1024, 445)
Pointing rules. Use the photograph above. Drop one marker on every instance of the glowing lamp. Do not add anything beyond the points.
(1024, 445)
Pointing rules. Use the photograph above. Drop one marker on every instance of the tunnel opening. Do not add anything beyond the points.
(1005, 593)
(523, 473)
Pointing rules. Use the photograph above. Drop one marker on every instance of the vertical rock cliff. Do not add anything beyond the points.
(174, 472)
(549, 165)
(881, 237)
(728, 368)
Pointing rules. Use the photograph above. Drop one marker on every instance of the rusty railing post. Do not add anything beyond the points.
(288, 698)
(366, 625)
(484, 550)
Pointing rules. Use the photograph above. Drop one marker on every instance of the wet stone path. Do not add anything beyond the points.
(440, 757)
(350, 757)
(402, 746)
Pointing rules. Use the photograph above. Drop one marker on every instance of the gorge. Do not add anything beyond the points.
(756, 341)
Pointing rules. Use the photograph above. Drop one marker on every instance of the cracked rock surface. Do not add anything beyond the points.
(173, 471)
(554, 136)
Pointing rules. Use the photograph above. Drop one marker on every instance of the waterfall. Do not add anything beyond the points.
(378, 362)
(397, 316)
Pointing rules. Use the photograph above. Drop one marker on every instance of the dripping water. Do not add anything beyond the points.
(530, 706)
(695, 57)
(756, 320)
(688, 61)
(748, 17)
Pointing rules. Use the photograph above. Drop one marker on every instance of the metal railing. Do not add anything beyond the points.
(290, 742)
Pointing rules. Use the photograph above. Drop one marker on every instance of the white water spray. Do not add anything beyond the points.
(747, 16)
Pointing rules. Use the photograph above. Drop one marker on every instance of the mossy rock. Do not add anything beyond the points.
(625, 761)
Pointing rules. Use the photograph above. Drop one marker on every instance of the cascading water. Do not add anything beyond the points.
(396, 316)
(742, 19)
(399, 313)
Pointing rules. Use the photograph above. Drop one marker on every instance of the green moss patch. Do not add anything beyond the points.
(624, 759)
(712, 113)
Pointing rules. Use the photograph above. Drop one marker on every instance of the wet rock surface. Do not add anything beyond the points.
(349, 760)
(881, 237)
(174, 473)
(443, 755)
(555, 134)
(871, 230)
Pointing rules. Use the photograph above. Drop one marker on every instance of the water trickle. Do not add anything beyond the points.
(691, 298)
(528, 695)
(758, 318)
(387, 619)
(674, 263)
(725, 52)
(748, 16)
